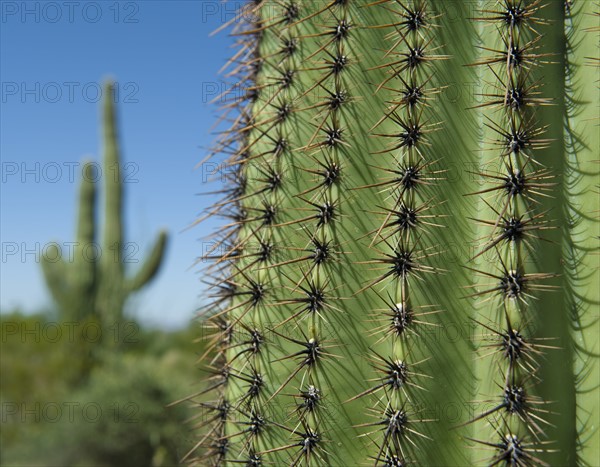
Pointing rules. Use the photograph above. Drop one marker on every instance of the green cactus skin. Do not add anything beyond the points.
(93, 285)
(364, 287)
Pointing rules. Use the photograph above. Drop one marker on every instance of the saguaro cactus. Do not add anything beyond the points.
(409, 271)
(92, 282)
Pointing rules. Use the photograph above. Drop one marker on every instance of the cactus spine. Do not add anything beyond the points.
(92, 283)
(354, 322)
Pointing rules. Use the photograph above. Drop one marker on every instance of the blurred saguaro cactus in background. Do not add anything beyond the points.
(409, 270)
(93, 283)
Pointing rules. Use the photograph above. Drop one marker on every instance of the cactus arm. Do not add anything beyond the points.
(72, 293)
(55, 271)
(71, 279)
(150, 267)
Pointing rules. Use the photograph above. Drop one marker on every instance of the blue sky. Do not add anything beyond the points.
(54, 55)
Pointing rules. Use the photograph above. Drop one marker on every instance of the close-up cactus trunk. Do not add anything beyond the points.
(408, 270)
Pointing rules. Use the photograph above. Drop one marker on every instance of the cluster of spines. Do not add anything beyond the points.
(250, 275)
(309, 294)
(234, 347)
(400, 241)
(267, 155)
(516, 224)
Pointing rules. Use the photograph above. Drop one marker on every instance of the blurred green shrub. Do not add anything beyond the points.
(116, 417)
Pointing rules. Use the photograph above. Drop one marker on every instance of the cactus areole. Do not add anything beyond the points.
(408, 267)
